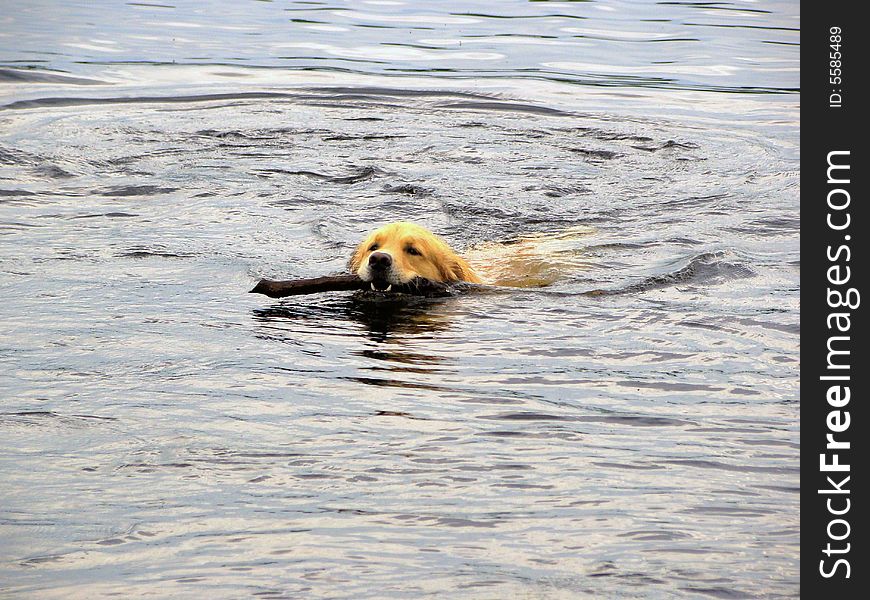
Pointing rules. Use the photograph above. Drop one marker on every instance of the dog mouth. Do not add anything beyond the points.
(380, 285)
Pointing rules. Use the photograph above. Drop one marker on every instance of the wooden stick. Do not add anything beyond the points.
(339, 283)
(295, 287)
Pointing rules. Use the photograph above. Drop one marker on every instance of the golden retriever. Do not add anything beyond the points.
(399, 252)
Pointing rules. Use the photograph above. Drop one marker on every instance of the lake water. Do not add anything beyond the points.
(165, 433)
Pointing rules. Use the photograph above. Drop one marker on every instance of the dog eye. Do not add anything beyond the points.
(373, 247)
(413, 251)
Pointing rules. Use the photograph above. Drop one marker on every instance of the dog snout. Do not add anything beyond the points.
(380, 261)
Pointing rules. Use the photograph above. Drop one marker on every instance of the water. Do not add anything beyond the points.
(164, 432)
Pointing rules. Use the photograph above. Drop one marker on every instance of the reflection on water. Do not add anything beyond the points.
(382, 317)
(630, 430)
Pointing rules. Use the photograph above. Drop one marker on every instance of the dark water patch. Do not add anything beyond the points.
(593, 248)
(635, 421)
(369, 137)
(705, 6)
(611, 136)
(507, 107)
(18, 225)
(458, 208)
(39, 560)
(596, 154)
(402, 368)
(479, 584)
(655, 535)
(639, 580)
(408, 189)
(704, 201)
(137, 190)
(527, 486)
(398, 92)
(257, 135)
(705, 269)
(692, 550)
(603, 134)
(60, 101)
(555, 191)
(791, 328)
(34, 76)
(605, 569)
(332, 103)
(788, 489)
(53, 171)
(684, 241)
(523, 135)
(524, 16)
(14, 156)
(744, 392)
(728, 324)
(725, 593)
(631, 420)
(726, 511)
(349, 100)
(670, 144)
(356, 176)
(515, 433)
(459, 522)
(768, 226)
(143, 252)
(670, 386)
(744, 26)
(151, 5)
(713, 464)
(383, 382)
(630, 467)
(471, 125)
(111, 215)
(395, 413)
(47, 417)
(525, 416)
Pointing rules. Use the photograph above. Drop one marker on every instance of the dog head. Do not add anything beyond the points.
(400, 252)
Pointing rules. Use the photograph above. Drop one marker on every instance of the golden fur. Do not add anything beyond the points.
(533, 260)
(415, 252)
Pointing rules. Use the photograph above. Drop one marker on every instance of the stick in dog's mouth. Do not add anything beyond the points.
(350, 282)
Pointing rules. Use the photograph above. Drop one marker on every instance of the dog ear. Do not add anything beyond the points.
(356, 260)
(455, 269)
(459, 270)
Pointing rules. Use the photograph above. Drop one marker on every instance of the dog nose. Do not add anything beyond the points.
(380, 261)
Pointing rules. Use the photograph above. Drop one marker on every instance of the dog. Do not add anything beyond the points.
(398, 253)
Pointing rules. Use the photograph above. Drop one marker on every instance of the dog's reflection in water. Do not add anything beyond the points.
(390, 323)
(387, 318)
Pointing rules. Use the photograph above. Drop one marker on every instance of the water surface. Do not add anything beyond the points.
(164, 432)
